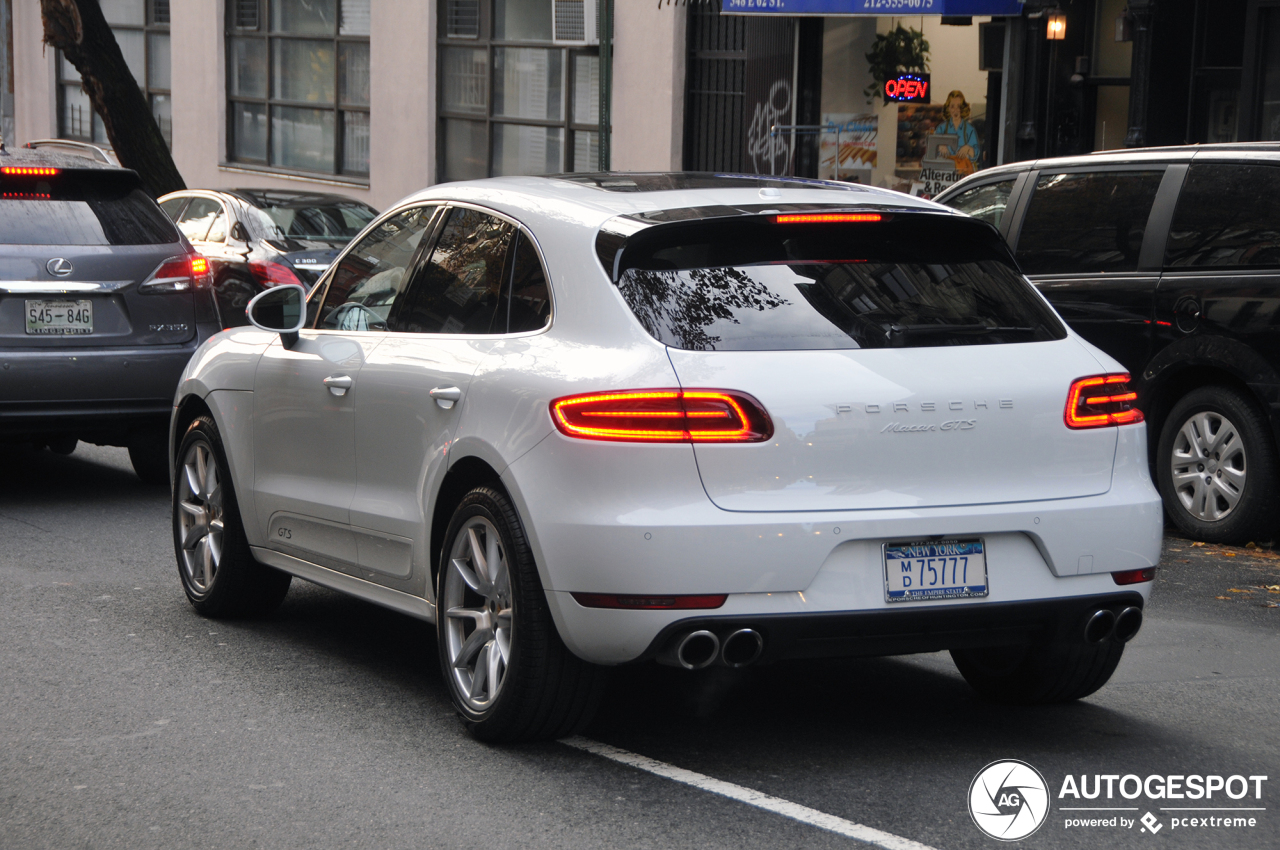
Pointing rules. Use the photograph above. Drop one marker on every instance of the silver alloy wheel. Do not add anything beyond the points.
(476, 601)
(1208, 466)
(200, 517)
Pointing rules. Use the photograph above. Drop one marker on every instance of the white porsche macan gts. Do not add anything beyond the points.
(586, 420)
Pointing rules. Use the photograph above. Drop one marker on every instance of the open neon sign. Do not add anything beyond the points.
(909, 88)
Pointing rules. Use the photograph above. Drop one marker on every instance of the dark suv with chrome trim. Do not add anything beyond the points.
(102, 302)
(1168, 259)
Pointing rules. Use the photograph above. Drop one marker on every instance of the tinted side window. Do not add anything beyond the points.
(985, 202)
(459, 289)
(1082, 223)
(173, 206)
(372, 274)
(1227, 215)
(530, 306)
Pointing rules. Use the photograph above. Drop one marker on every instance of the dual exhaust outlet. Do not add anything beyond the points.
(702, 648)
(1105, 623)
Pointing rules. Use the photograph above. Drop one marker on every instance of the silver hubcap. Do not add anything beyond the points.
(476, 601)
(200, 517)
(1208, 466)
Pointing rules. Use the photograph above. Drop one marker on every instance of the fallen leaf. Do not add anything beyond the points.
(1228, 554)
(1271, 604)
(1222, 597)
(1251, 545)
(1273, 587)
(1197, 544)
(1237, 590)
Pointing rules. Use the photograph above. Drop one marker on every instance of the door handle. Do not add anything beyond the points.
(446, 396)
(338, 384)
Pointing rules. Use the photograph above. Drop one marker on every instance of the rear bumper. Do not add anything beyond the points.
(99, 393)
(899, 632)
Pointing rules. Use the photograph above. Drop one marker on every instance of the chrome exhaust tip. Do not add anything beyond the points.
(1128, 623)
(697, 649)
(1100, 626)
(741, 648)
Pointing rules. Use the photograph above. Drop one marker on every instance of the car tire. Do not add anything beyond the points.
(1221, 422)
(509, 674)
(219, 573)
(149, 454)
(1038, 674)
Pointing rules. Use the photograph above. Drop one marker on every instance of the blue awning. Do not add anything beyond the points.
(874, 8)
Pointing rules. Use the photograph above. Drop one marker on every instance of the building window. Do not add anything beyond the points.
(141, 28)
(298, 84)
(514, 97)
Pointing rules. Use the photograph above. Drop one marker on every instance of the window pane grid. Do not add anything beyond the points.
(298, 84)
(142, 32)
(511, 100)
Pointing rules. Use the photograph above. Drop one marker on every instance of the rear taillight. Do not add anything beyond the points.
(178, 274)
(663, 416)
(28, 171)
(1134, 576)
(271, 274)
(1101, 400)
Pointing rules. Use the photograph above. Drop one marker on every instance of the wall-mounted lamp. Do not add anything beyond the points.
(1056, 29)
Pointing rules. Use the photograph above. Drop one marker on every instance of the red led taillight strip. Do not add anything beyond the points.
(28, 171)
(1101, 400)
(826, 218)
(663, 416)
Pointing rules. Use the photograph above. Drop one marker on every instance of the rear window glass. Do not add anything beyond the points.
(98, 208)
(335, 221)
(1228, 215)
(910, 281)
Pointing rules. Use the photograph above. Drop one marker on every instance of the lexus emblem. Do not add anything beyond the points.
(59, 267)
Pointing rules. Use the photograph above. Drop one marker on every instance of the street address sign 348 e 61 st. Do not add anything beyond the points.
(872, 7)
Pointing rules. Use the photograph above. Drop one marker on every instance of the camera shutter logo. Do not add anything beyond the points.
(59, 267)
(1008, 800)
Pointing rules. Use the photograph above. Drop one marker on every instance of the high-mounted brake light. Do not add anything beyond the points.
(685, 602)
(825, 218)
(1134, 576)
(1101, 400)
(28, 171)
(26, 196)
(663, 416)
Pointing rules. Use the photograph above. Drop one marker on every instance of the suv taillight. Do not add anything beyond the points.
(178, 274)
(663, 416)
(1101, 400)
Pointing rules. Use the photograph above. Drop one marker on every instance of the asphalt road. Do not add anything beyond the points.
(127, 721)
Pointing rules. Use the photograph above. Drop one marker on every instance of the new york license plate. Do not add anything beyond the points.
(59, 317)
(935, 569)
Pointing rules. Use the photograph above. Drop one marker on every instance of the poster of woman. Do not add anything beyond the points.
(968, 150)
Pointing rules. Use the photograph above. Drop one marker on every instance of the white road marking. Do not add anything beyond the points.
(786, 808)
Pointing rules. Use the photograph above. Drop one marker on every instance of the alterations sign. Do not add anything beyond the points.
(872, 7)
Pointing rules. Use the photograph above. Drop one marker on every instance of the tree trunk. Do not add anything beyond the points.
(79, 29)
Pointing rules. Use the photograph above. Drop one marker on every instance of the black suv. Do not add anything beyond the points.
(102, 302)
(1168, 259)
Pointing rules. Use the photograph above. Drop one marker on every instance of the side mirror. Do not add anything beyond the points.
(282, 309)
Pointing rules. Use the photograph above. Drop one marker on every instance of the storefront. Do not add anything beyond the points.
(830, 88)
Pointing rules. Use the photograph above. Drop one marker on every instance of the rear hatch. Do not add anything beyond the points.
(75, 246)
(902, 358)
